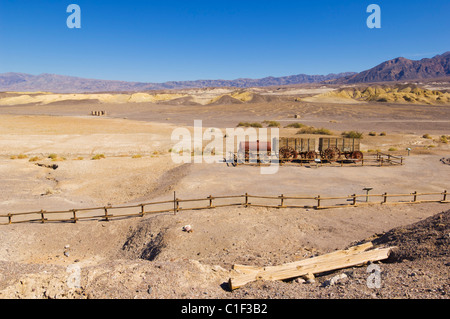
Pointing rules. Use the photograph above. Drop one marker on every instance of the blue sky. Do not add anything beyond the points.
(158, 41)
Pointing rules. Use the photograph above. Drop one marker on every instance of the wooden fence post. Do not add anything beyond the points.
(246, 200)
(445, 196)
(318, 201)
(354, 199)
(9, 218)
(106, 214)
(142, 210)
(42, 216)
(74, 215)
(415, 196)
(282, 200)
(210, 201)
(174, 203)
(385, 197)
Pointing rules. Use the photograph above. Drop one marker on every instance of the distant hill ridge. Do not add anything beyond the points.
(69, 84)
(400, 69)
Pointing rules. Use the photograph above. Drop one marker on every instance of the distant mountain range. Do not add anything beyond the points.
(401, 69)
(398, 69)
(69, 84)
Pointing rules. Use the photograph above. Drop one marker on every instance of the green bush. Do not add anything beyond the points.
(295, 125)
(20, 156)
(98, 156)
(313, 130)
(352, 134)
(372, 134)
(272, 123)
(247, 124)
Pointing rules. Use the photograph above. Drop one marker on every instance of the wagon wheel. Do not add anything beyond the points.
(310, 155)
(287, 154)
(356, 155)
(263, 157)
(331, 154)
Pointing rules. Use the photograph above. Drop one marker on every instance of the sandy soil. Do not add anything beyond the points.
(152, 257)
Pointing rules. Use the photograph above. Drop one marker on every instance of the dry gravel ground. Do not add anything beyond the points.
(152, 257)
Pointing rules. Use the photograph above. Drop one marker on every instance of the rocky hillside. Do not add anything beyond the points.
(389, 94)
(401, 69)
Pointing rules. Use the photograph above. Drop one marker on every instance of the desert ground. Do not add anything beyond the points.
(152, 257)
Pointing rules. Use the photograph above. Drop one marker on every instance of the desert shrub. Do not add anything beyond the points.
(98, 156)
(136, 156)
(383, 134)
(323, 131)
(34, 159)
(20, 156)
(79, 158)
(313, 130)
(272, 123)
(352, 134)
(372, 134)
(247, 124)
(295, 125)
(55, 157)
(392, 149)
(427, 136)
(444, 139)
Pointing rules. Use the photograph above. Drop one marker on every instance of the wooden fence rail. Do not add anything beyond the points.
(245, 200)
(389, 159)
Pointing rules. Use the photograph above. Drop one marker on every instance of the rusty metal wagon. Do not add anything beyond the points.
(258, 152)
(338, 149)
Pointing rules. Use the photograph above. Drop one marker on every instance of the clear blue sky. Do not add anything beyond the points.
(157, 41)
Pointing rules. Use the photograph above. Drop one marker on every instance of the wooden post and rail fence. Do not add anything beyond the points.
(173, 206)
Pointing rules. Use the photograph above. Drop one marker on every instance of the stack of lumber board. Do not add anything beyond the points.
(354, 256)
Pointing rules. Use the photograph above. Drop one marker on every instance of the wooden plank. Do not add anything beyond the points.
(352, 250)
(310, 266)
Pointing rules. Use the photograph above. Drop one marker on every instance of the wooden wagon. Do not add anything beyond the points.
(290, 148)
(334, 149)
